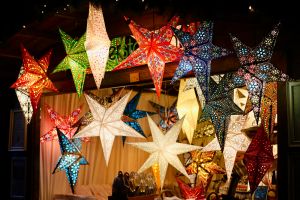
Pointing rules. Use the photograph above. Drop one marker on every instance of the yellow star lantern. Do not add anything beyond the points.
(187, 105)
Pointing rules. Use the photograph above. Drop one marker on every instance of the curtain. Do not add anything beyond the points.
(124, 158)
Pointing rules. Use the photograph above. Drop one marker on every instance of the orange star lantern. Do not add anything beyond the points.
(154, 49)
(34, 77)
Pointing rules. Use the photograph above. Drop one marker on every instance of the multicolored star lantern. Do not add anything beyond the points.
(63, 123)
(168, 116)
(131, 114)
(198, 53)
(218, 108)
(187, 192)
(155, 49)
(201, 164)
(70, 159)
(164, 149)
(187, 105)
(76, 60)
(258, 158)
(34, 78)
(256, 68)
(107, 124)
(97, 43)
(24, 100)
(269, 107)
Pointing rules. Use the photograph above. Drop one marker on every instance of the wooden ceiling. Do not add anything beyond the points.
(42, 35)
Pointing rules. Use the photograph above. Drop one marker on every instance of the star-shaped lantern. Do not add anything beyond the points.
(164, 149)
(97, 43)
(192, 83)
(198, 53)
(63, 123)
(187, 192)
(258, 158)
(202, 164)
(155, 49)
(131, 114)
(76, 60)
(269, 107)
(235, 141)
(187, 105)
(219, 106)
(34, 78)
(168, 115)
(70, 159)
(107, 124)
(256, 68)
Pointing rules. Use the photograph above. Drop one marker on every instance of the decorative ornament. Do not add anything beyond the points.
(63, 123)
(201, 163)
(76, 60)
(187, 192)
(33, 79)
(70, 159)
(256, 68)
(107, 124)
(97, 43)
(156, 173)
(258, 158)
(235, 141)
(155, 49)
(131, 114)
(164, 149)
(24, 99)
(187, 105)
(198, 53)
(192, 83)
(168, 115)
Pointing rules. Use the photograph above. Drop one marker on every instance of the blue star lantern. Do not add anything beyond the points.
(198, 53)
(70, 159)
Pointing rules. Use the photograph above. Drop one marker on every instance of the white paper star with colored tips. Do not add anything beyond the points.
(164, 149)
(107, 124)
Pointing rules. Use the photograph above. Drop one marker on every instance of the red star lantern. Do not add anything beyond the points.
(34, 77)
(63, 123)
(155, 49)
(258, 158)
(188, 192)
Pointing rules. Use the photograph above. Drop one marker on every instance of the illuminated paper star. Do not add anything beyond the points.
(24, 100)
(70, 159)
(34, 78)
(107, 124)
(164, 149)
(198, 54)
(235, 141)
(97, 43)
(76, 60)
(155, 50)
(187, 105)
(192, 83)
(256, 69)
(63, 123)
(258, 158)
(188, 192)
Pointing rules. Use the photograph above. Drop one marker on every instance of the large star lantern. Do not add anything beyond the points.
(70, 159)
(76, 60)
(256, 68)
(97, 43)
(107, 124)
(34, 79)
(63, 123)
(198, 53)
(164, 149)
(258, 158)
(168, 115)
(218, 108)
(155, 50)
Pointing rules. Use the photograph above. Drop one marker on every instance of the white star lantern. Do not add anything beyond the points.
(107, 124)
(192, 83)
(164, 149)
(97, 43)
